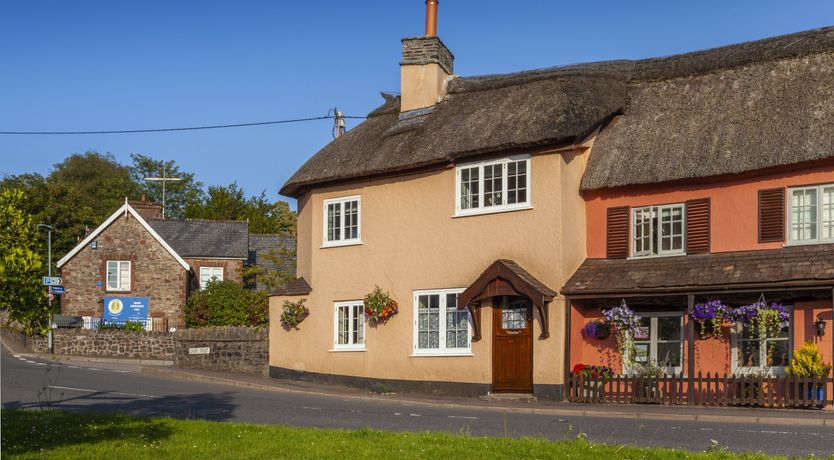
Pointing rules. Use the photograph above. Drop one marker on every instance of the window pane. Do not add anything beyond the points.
(804, 214)
(828, 212)
(642, 231)
(669, 354)
(428, 321)
(343, 325)
(777, 352)
(457, 324)
(517, 182)
(748, 353)
(669, 328)
(357, 312)
(351, 220)
(493, 185)
(334, 221)
(469, 188)
(514, 316)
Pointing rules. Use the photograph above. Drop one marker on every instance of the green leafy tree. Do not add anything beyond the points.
(226, 303)
(178, 194)
(230, 203)
(272, 271)
(21, 266)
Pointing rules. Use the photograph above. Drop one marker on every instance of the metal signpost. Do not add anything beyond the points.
(49, 280)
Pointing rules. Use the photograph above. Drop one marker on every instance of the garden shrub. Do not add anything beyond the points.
(226, 303)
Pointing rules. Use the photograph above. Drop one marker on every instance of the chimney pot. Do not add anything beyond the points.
(431, 18)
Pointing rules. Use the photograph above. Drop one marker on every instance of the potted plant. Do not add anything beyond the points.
(807, 362)
(293, 313)
(709, 316)
(379, 306)
(768, 320)
(591, 377)
(596, 329)
(624, 322)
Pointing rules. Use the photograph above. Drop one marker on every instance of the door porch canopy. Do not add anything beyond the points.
(505, 277)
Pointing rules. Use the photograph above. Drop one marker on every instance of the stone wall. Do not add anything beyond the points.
(155, 273)
(234, 349)
(113, 344)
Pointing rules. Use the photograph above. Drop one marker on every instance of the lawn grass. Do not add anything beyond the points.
(65, 435)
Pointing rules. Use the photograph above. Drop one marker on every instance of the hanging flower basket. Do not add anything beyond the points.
(768, 319)
(597, 329)
(710, 316)
(293, 313)
(379, 306)
(625, 324)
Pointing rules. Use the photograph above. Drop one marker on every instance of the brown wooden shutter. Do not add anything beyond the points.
(771, 215)
(697, 226)
(617, 233)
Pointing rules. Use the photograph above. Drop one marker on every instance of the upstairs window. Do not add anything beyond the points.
(493, 186)
(812, 214)
(658, 230)
(342, 221)
(210, 274)
(118, 275)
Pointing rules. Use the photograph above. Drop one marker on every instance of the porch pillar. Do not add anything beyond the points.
(690, 349)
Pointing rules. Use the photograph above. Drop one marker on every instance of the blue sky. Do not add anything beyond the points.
(91, 65)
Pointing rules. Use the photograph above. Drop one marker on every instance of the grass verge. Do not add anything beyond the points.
(65, 435)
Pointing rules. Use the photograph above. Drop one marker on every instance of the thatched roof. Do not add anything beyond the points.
(738, 108)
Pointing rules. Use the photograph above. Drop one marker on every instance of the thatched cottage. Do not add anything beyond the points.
(482, 207)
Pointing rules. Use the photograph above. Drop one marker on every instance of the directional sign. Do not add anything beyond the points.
(52, 281)
(56, 289)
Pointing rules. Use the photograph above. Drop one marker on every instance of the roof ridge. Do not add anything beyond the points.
(226, 221)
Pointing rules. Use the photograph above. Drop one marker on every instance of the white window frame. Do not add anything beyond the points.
(342, 241)
(123, 285)
(772, 370)
(654, 340)
(212, 276)
(504, 207)
(656, 249)
(441, 350)
(820, 213)
(351, 304)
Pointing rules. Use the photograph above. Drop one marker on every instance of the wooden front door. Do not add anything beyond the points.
(512, 345)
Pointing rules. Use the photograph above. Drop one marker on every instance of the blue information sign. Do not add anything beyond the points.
(121, 309)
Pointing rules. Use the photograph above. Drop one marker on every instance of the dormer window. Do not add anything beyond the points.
(658, 230)
(493, 186)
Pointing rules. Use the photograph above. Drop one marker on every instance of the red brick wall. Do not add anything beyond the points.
(155, 273)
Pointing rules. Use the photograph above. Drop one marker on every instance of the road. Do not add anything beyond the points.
(105, 387)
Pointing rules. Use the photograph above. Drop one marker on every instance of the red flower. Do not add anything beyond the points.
(578, 369)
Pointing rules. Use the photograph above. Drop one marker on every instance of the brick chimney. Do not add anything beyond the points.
(426, 67)
(147, 209)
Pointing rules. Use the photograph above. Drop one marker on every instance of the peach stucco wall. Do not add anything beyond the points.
(412, 241)
(734, 206)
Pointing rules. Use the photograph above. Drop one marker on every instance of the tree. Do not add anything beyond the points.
(21, 266)
(178, 194)
(230, 203)
(272, 271)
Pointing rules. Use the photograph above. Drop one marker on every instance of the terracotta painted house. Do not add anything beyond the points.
(499, 212)
(135, 254)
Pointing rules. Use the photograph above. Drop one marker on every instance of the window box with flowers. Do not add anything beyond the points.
(379, 306)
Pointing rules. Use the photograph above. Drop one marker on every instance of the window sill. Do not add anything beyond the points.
(435, 355)
(337, 244)
(808, 243)
(492, 210)
(656, 256)
(344, 350)
(117, 291)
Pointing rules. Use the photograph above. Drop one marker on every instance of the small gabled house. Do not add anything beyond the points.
(135, 255)
(504, 212)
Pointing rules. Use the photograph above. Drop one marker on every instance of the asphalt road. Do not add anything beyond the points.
(106, 387)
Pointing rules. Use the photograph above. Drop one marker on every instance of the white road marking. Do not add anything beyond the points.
(398, 413)
(311, 408)
(414, 415)
(461, 416)
(122, 371)
(93, 368)
(87, 390)
(16, 356)
(73, 367)
(40, 364)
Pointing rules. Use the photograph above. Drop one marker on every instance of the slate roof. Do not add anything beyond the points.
(796, 265)
(204, 238)
(260, 246)
(737, 108)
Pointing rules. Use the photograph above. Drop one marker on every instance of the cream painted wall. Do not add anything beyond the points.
(421, 86)
(412, 241)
